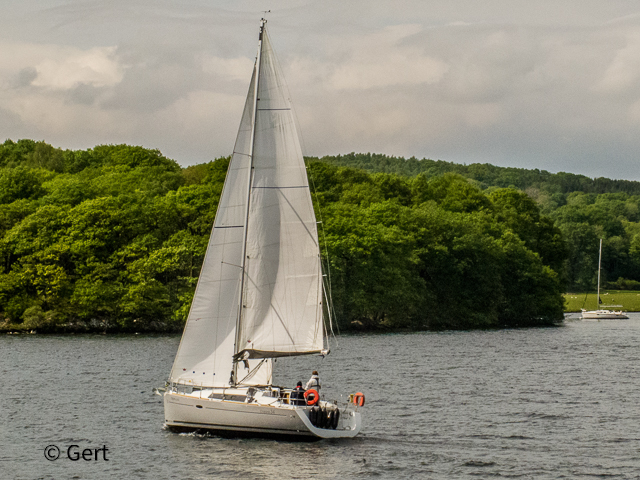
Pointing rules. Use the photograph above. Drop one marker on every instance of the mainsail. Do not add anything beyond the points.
(263, 251)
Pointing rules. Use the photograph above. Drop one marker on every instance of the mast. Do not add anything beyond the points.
(250, 180)
(599, 265)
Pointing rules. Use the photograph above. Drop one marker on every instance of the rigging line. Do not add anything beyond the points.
(324, 330)
(232, 264)
(241, 153)
(304, 224)
(324, 326)
(252, 373)
(330, 306)
(284, 325)
(333, 310)
(333, 315)
(330, 316)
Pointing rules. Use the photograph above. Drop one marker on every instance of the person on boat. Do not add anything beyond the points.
(314, 382)
(297, 395)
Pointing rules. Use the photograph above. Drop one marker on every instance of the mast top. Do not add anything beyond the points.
(263, 22)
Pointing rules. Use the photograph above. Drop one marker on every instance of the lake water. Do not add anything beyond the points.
(535, 403)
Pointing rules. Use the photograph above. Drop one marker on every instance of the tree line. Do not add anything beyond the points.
(584, 209)
(113, 238)
(486, 175)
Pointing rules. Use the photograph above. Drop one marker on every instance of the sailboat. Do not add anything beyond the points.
(602, 314)
(260, 294)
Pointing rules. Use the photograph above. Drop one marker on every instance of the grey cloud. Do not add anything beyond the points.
(12, 126)
(26, 76)
(156, 76)
(153, 79)
(83, 94)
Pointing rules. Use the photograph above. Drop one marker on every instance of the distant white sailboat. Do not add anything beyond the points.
(260, 292)
(602, 314)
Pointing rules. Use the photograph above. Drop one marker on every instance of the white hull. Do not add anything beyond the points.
(266, 417)
(602, 315)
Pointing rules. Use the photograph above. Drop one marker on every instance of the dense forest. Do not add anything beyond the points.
(112, 238)
(584, 209)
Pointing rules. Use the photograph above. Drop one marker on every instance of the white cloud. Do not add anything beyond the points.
(623, 73)
(383, 59)
(58, 67)
(98, 67)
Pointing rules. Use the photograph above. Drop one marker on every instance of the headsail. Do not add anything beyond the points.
(282, 287)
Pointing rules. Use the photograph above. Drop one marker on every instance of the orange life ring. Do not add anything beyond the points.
(358, 399)
(314, 396)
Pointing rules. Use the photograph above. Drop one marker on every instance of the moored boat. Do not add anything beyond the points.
(602, 314)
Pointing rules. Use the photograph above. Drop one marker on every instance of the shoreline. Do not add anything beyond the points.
(65, 330)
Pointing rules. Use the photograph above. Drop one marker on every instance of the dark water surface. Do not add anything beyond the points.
(535, 403)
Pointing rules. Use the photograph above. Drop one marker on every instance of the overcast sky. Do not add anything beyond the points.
(548, 84)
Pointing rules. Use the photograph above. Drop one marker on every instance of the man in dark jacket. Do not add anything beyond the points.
(297, 395)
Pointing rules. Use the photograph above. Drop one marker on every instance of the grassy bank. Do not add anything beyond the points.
(629, 299)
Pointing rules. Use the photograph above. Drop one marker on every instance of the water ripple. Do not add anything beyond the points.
(535, 403)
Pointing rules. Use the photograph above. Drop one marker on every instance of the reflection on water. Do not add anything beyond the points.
(538, 403)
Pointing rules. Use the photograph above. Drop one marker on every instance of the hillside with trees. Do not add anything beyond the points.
(485, 175)
(112, 238)
(584, 209)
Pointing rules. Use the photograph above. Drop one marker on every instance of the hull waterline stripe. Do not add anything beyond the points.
(239, 427)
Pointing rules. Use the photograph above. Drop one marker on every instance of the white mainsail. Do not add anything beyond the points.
(265, 200)
(282, 296)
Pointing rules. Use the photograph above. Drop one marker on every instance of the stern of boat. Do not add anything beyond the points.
(348, 425)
